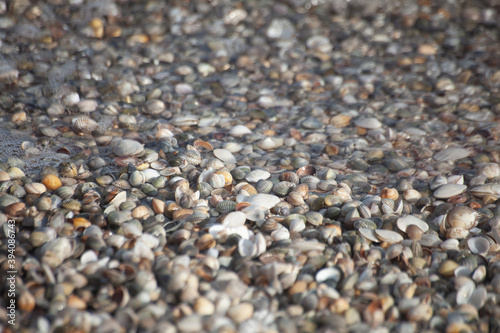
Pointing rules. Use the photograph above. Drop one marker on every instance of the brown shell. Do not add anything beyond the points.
(202, 145)
(306, 171)
(205, 242)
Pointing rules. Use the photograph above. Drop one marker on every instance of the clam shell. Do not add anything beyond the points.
(224, 155)
(35, 188)
(462, 217)
(264, 186)
(193, 157)
(452, 154)
(314, 218)
(388, 236)
(128, 147)
(448, 267)
(478, 245)
(405, 221)
(137, 178)
(7, 200)
(449, 190)
(256, 175)
(217, 180)
(239, 131)
(154, 107)
(205, 242)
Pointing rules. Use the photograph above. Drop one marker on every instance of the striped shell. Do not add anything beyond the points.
(198, 217)
(283, 188)
(71, 204)
(249, 189)
(447, 268)
(314, 218)
(205, 242)
(193, 157)
(84, 124)
(217, 180)
(462, 217)
(289, 177)
(65, 192)
(226, 206)
(35, 188)
(264, 186)
(202, 145)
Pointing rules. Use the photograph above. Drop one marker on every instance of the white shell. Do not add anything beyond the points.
(369, 123)
(388, 236)
(256, 175)
(224, 155)
(452, 154)
(280, 234)
(478, 245)
(405, 221)
(448, 190)
(297, 225)
(239, 131)
(234, 219)
(478, 297)
(465, 292)
(369, 234)
(267, 201)
(328, 273)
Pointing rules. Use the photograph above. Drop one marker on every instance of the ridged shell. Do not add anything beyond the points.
(228, 178)
(15, 173)
(71, 204)
(202, 145)
(295, 199)
(193, 157)
(35, 188)
(462, 217)
(314, 218)
(264, 186)
(283, 188)
(269, 225)
(447, 268)
(52, 182)
(216, 164)
(217, 180)
(248, 189)
(84, 124)
(205, 242)
(289, 176)
(198, 217)
(226, 206)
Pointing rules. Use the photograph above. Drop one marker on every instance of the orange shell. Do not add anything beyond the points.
(52, 182)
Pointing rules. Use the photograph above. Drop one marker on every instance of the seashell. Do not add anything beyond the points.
(388, 236)
(314, 218)
(137, 178)
(264, 186)
(52, 182)
(141, 212)
(216, 164)
(233, 147)
(257, 175)
(128, 147)
(15, 209)
(269, 225)
(228, 178)
(478, 245)
(289, 177)
(283, 188)
(369, 234)
(464, 293)
(4, 176)
(154, 107)
(295, 199)
(368, 123)
(452, 154)
(306, 171)
(449, 190)
(64, 192)
(328, 275)
(297, 225)
(43, 203)
(35, 188)
(193, 157)
(198, 217)
(7, 200)
(15, 173)
(224, 155)
(67, 170)
(84, 124)
(484, 190)
(201, 145)
(80, 222)
(414, 232)
(326, 185)
(270, 143)
(248, 189)
(329, 232)
(239, 131)
(205, 242)
(280, 234)
(462, 217)
(447, 268)
(457, 233)
(437, 182)
(71, 204)
(405, 221)
(217, 180)
(226, 206)
(150, 174)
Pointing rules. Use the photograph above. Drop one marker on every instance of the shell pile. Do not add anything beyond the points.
(253, 166)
